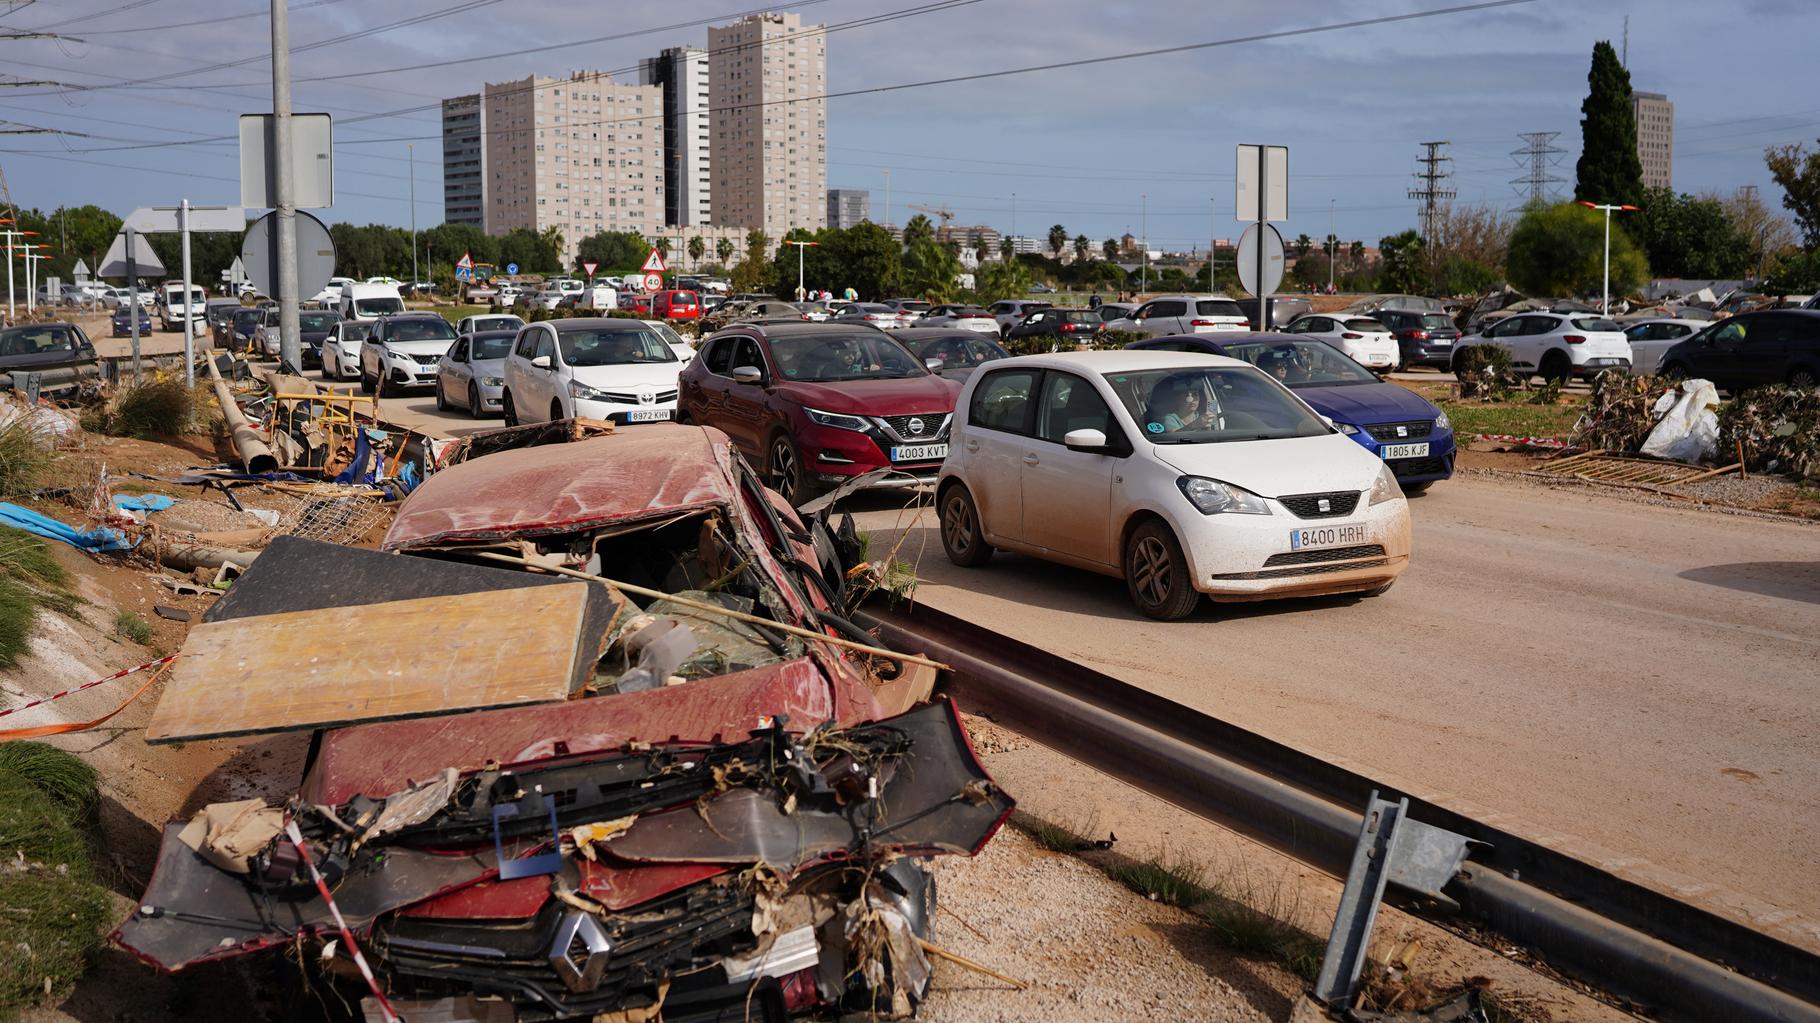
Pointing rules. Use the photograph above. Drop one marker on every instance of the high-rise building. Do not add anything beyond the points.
(682, 73)
(768, 145)
(581, 154)
(1655, 138)
(848, 207)
(464, 161)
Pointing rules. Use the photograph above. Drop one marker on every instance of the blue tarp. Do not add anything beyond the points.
(143, 502)
(95, 541)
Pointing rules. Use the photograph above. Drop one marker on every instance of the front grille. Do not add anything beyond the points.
(1417, 466)
(626, 398)
(1369, 550)
(426, 360)
(1287, 573)
(934, 427)
(1388, 431)
(1308, 506)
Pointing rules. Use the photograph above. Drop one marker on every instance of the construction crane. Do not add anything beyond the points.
(941, 211)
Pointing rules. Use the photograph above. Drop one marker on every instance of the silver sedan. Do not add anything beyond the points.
(472, 373)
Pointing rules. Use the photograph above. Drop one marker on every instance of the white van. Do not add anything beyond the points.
(330, 295)
(365, 303)
(598, 296)
(173, 310)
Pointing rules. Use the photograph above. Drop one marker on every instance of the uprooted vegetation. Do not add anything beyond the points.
(30, 579)
(159, 406)
(1773, 429)
(1621, 412)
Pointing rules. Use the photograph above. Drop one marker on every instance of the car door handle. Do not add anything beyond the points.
(973, 445)
(1030, 458)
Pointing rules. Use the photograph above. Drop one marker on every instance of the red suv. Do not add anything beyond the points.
(676, 305)
(816, 404)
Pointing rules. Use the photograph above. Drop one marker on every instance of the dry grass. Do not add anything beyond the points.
(24, 460)
(133, 627)
(54, 912)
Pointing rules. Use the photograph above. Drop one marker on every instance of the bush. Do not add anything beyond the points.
(1772, 429)
(65, 778)
(23, 459)
(55, 912)
(133, 627)
(160, 407)
(1484, 372)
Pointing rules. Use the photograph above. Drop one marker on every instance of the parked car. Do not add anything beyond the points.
(1423, 339)
(114, 298)
(1183, 474)
(952, 352)
(264, 341)
(1368, 342)
(42, 346)
(1651, 339)
(872, 314)
(369, 301)
(74, 294)
(340, 349)
(678, 344)
(636, 302)
(488, 321)
(330, 295)
(403, 351)
(774, 309)
(313, 326)
(1184, 314)
(239, 331)
(122, 321)
(676, 305)
(1283, 310)
(815, 405)
(613, 369)
(1110, 311)
(1555, 346)
(1409, 432)
(218, 313)
(508, 293)
(1039, 288)
(471, 374)
(1058, 325)
(1752, 349)
(1011, 312)
(548, 298)
(909, 310)
(967, 317)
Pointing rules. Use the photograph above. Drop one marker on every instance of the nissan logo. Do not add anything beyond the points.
(916, 426)
(647, 397)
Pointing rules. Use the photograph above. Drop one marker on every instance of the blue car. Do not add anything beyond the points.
(123, 322)
(1406, 430)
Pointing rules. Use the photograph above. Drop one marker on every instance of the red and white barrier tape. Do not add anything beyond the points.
(1529, 442)
(88, 685)
(296, 836)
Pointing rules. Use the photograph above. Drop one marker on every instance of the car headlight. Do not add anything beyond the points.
(1442, 423)
(1385, 488)
(493, 381)
(577, 389)
(839, 421)
(1346, 428)
(1211, 497)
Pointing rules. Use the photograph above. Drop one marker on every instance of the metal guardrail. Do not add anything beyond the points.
(1679, 961)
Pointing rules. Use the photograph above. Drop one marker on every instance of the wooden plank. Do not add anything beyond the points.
(403, 659)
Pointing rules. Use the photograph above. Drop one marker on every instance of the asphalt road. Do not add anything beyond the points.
(1618, 677)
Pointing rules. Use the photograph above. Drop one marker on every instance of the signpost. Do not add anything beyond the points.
(1271, 263)
(654, 282)
(464, 267)
(315, 254)
(123, 261)
(511, 269)
(588, 268)
(1261, 196)
(286, 162)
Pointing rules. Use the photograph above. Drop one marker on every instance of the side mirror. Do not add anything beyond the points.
(541, 362)
(933, 365)
(1085, 440)
(747, 375)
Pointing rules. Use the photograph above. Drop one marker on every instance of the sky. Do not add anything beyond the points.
(1144, 145)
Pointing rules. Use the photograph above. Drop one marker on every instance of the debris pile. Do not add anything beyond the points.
(1621, 412)
(1773, 429)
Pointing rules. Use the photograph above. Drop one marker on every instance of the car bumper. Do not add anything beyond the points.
(1594, 366)
(1248, 557)
(836, 456)
(617, 413)
(1427, 353)
(492, 399)
(411, 374)
(1435, 464)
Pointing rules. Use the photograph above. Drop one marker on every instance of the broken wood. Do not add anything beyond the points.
(960, 960)
(1708, 475)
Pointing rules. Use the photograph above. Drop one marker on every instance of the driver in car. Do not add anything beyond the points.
(1182, 407)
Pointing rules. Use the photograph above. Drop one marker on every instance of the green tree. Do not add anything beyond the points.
(1110, 247)
(1302, 245)
(447, 243)
(697, 249)
(551, 238)
(1463, 275)
(1083, 248)
(929, 271)
(724, 249)
(615, 251)
(1609, 170)
(1357, 252)
(1559, 251)
(757, 241)
(1404, 256)
(532, 251)
(917, 229)
(1008, 278)
(979, 246)
(870, 261)
(1797, 171)
(1058, 240)
(1006, 248)
(1683, 236)
(662, 245)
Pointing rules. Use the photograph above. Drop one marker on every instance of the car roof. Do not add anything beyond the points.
(1119, 361)
(803, 328)
(591, 322)
(1192, 298)
(916, 333)
(477, 335)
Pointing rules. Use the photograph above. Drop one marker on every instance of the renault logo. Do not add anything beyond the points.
(1324, 504)
(579, 953)
(916, 426)
(647, 397)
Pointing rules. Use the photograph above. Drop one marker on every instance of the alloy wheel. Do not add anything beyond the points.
(1151, 571)
(784, 470)
(957, 525)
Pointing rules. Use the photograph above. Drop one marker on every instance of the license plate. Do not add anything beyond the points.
(1327, 536)
(1377, 360)
(1404, 450)
(648, 415)
(919, 453)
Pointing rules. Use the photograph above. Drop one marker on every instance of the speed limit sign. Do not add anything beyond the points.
(654, 282)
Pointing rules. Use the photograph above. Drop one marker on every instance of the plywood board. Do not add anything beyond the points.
(403, 659)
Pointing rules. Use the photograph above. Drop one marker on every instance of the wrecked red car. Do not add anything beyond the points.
(725, 818)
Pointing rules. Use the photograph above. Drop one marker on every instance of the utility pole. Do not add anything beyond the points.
(800, 246)
(1605, 301)
(1331, 242)
(290, 352)
(12, 232)
(189, 329)
(1432, 176)
(1144, 229)
(887, 202)
(410, 151)
(1540, 153)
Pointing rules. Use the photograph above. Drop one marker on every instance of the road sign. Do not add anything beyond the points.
(80, 273)
(464, 267)
(511, 268)
(315, 254)
(654, 263)
(145, 261)
(1275, 175)
(312, 161)
(589, 268)
(1248, 260)
(654, 282)
(163, 219)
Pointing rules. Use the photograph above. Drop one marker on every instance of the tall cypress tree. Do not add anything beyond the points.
(1609, 169)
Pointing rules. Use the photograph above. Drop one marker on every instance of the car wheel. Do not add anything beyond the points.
(381, 386)
(1416, 488)
(961, 536)
(556, 410)
(1803, 378)
(366, 382)
(326, 375)
(473, 401)
(787, 471)
(1156, 573)
(1675, 371)
(442, 401)
(1556, 367)
(510, 412)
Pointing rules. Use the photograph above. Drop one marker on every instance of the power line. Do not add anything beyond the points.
(1432, 175)
(135, 4)
(259, 13)
(1542, 155)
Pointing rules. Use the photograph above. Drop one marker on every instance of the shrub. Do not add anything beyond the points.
(67, 779)
(1772, 429)
(133, 627)
(55, 912)
(23, 459)
(1621, 412)
(160, 407)
(1484, 372)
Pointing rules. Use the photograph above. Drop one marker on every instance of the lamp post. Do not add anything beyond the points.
(32, 259)
(11, 233)
(1608, 208)
(1332, 240)
(800, 246)
(410, 152)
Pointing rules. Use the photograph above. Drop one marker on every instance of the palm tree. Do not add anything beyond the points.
(724, 249)
(662, 245)
(979, 246)
(918, 228)
(697, 249)
(1007, 248)
(551, 237)
(1111, 248)
(1058, 240)
(1083, 247)
(1302, 245)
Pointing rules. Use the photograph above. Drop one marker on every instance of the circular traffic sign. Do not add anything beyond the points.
(511, 268)
(1248, 260)
(315, 254)
(654, 282)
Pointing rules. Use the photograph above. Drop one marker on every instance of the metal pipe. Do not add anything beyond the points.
(290, 350)
(255, 456)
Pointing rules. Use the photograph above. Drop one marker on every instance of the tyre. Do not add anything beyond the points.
(1675, 371)
(473, 401)
(1416, 488)
(511, 413)
(1556, 367)
(366, 382)
(442, 401)
(962, 538)
(1803, 378)
(1156, 573)
(381, 386)
(787, 476)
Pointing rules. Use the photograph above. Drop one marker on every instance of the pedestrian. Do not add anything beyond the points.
(850, 294)
(1093, 301)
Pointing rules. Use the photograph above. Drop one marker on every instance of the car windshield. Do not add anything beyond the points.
(614, 346)
(957, 351)
(1218, 307)
(1368, 325)
(247, 319)
(317, 321)
(498, 323)
(1436, 321)
(437, 329)
(823, 357)
(352, 331)
(1212, 405)
(1302, 363)
(1594, 323)
(670, 336)
(378, 306)
(35, 340)
(496, 346)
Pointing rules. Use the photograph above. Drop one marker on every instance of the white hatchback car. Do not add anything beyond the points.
(488, 321)
(614, 369)
(1184, 314)
(1649, 339)
(1555, 346)
(341, 349)
(1183, 474)
(1368, 342)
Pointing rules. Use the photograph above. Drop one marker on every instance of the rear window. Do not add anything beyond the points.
(1218, 307)
(1365, 324)
(683, 298)
(1594, 323)
(1436, 321)
(1080, 316)
(971, 310)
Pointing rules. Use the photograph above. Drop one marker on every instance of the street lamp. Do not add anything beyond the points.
(1605, 302)
(800, 246)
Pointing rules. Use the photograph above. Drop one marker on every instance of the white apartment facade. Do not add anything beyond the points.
(768, 125)
(1655, 138)
(582, 154)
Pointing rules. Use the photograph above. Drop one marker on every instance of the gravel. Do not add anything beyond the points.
(1089, 948)
(1735, 489)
